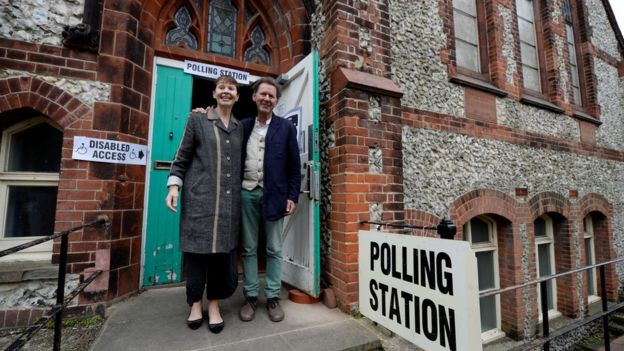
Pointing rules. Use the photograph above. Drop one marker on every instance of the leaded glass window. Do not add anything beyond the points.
(256, 51)
(230, 28)
(181, 35)
(222, 28)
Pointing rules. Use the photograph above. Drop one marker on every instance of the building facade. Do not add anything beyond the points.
(506, 116)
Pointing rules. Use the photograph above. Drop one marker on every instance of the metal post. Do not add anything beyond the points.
(60, 292)
(605, 318)
(544, 304)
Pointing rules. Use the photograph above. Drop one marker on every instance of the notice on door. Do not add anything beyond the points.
(423, 289)
(108, 151)
(214, 72)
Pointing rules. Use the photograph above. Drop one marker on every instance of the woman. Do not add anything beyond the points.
(206, 169)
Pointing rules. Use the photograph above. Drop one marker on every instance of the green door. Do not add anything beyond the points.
(163, 259)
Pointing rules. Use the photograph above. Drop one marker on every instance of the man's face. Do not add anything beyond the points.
(265, 98)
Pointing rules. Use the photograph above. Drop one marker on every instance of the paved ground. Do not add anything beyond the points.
(155, 320)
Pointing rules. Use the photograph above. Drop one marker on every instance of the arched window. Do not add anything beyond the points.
(480, 232)
(545, 260)
(228, 28)
(30, 159)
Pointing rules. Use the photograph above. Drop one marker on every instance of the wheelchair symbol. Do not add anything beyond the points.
(82, 149)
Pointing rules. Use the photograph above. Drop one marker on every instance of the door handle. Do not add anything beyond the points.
(159, 164)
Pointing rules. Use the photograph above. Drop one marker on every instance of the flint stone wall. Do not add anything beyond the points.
(38, 21)
(439, 167)
(603, 36)
(611, 100)
(417, 36)
(87, 91)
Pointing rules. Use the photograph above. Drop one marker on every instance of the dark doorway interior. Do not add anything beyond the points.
(202, 97)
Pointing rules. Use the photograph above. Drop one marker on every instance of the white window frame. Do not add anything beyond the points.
(490, 245)
(588, 226)
(41, 252)
(549, 240)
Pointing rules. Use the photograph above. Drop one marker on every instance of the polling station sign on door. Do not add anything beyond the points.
(423, 289)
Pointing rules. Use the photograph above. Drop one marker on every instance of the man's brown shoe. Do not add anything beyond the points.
(274, 309)
(248, 311)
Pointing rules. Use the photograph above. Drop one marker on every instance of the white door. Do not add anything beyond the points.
(301, 237)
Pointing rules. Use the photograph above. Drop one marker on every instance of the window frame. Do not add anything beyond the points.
(548, 239)
(490, 246)
(483, 47)
(579, 57)
(538, 27)
(588, 234)
(7, 179)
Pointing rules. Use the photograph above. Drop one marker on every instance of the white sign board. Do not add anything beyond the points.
(214, 72)
(109, 151)
(424, 289)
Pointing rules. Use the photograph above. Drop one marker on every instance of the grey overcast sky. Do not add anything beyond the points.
(618, 9)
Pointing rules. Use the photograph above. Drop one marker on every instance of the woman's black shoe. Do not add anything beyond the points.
(194, 324)
(216, 328)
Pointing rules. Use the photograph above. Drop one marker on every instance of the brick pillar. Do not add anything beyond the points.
(125, 62)
(365, 170)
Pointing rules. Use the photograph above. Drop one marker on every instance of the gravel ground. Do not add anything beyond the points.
(75, 338)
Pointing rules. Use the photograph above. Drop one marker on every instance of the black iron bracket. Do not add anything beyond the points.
(85, 36)
(446, 229)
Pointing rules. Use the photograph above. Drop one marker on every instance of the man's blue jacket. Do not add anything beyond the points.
(282, 166)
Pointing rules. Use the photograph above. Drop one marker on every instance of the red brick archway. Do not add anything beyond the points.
(505, 211)
(482, 201)
(47, 99)
(601, 212)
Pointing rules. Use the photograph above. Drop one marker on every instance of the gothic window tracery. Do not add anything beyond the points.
(181, 34)
(229, 28)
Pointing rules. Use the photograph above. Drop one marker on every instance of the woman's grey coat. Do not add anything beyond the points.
(208, 162)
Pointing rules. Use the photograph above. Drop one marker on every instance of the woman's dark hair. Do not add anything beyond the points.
(269, 81)
(227, 80)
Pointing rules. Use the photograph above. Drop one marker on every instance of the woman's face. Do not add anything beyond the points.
(226, 94)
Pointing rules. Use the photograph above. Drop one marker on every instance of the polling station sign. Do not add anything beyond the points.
(214, 72)
(109, 151)
(423, 289)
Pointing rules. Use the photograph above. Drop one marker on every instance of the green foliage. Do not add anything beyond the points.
(77, 322)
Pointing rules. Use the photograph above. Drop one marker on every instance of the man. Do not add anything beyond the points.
(271, 183)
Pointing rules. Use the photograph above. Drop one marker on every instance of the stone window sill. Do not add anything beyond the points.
(587, 118)
(541, 103)
(477, 84)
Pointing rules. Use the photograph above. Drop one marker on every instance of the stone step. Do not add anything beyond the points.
(19, 271)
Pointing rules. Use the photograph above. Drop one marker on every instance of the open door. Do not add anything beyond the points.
(162, 256)
(301, 237)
